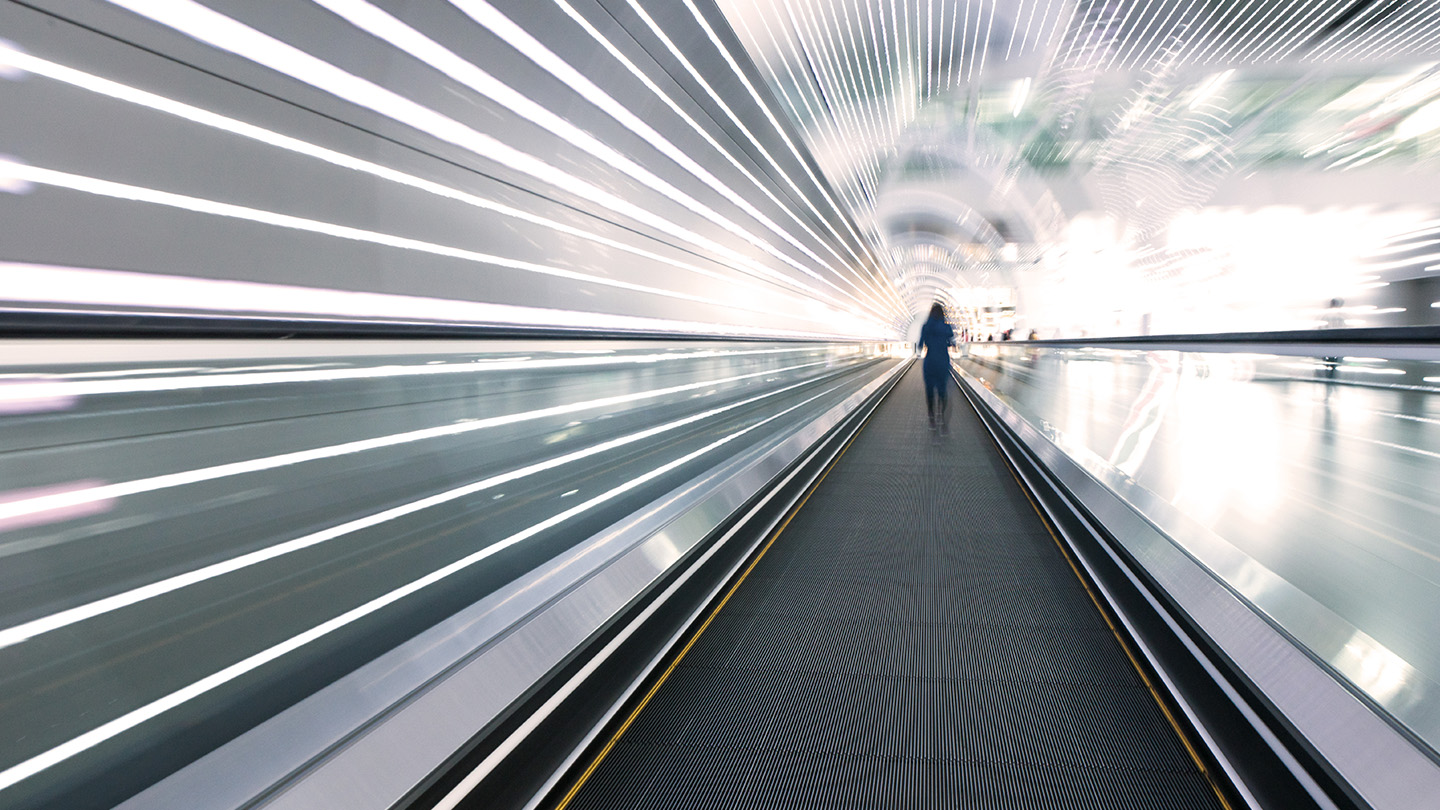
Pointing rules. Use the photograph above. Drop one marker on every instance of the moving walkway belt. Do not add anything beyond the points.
(913, 637)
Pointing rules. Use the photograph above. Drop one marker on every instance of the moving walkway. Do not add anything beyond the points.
(914, 637)
(715, 574)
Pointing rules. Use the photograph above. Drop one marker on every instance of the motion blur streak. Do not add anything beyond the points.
(376, 22)
(487, 15)
(227, 34)
(79, 744)
(382, 25)
(46, 389)
(116, 90)
(689, 67)
(28, 630)
(70, 498)
(23, 517)
(122, 191)
(750, 88)
(43, 285)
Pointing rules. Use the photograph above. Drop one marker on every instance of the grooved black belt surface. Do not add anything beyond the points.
(913, 639)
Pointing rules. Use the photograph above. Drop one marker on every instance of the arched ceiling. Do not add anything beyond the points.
(789, 169)
(1001, 131)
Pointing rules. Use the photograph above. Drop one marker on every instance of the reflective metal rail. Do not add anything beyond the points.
(1284, 505)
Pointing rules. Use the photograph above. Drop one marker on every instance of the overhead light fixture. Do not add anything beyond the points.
(8, 69)
(1422, 121)
(1017, 101)
(11, 182)
(1210, 88)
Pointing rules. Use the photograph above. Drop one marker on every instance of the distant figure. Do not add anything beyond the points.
(1034, 334)
(936, 337)
(1334, 317)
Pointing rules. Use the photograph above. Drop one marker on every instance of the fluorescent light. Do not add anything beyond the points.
(49, 388)
(1210, 88)
(229, 35)
(382, 25)
(73, 286)
(111, 89)
(1017, 99)
(8, 69)
(11, 182)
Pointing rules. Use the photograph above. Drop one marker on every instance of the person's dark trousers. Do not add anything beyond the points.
(936, 389)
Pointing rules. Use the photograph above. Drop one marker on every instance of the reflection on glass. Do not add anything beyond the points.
(1324, 476)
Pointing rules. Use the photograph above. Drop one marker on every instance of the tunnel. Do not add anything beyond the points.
(719, 404)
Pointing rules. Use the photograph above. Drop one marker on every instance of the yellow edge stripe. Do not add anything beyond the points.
(1119, 636)
(584, 777)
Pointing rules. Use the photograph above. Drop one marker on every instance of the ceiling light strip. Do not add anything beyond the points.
(408, 40)
(1157, 30)
(842, 114)
(761, 103)
(122, 191)
(17, 634)
(1301, 35)
(111, 89)
(1245, 30)
(695, 126)
(500, 25)
(1390, 39)
(840, 93)
(1256, 33)
(989, 27)
(1351, 31)
(228, 35)
(855, 170)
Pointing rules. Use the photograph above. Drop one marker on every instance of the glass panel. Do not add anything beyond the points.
(1324, 473)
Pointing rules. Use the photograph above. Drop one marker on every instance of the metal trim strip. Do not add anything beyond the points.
(428, 697)
(1383, 766)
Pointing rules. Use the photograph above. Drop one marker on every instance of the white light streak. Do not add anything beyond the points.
(695, 127)
(22, 507)
(36, 764)
(1017, 99)
(22, 632)
(74, 388)
(386, 27)
(107, 188)
(1211, 86)
(745, 81)
(229, 35)
(9, 69)
(72, 286)
(111, 89)
(989, 27)
(9, 183)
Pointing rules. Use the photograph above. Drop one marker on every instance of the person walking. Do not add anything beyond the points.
(936, 338)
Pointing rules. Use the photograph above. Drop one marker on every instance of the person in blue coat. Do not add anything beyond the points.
(936, 338)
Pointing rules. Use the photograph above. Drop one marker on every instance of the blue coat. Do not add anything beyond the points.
(936, 337)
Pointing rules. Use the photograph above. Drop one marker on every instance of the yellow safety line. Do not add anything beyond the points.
(1124, 645)
(584, 777)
